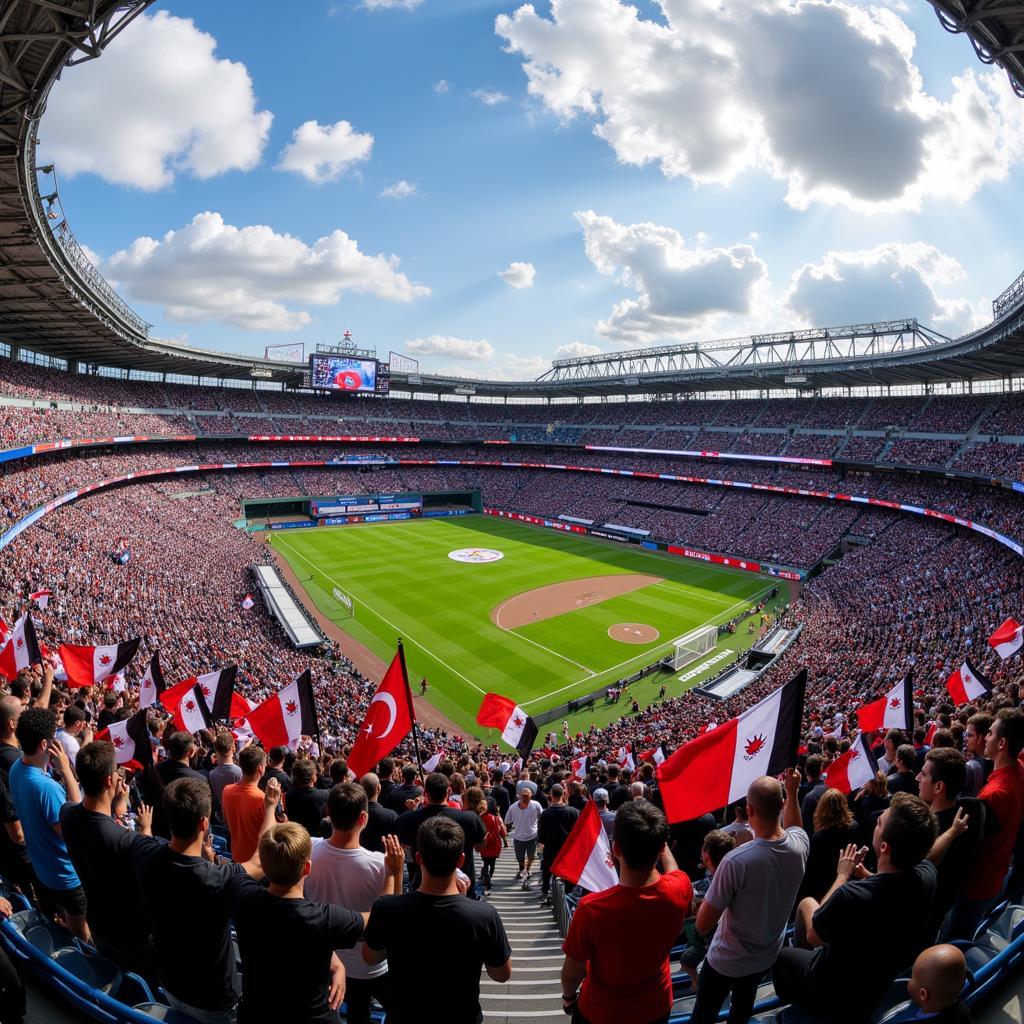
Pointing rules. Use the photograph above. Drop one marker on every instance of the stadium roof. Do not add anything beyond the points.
(54, 301)
(995, 29)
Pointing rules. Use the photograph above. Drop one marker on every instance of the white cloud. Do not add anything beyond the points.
(518, 275)
(577, 348)
(456, 348)
(324, 152)
(833, 105)
(489, 97)
(209, 270)
(887, 282)
(160, 103)
(400, 190)
(680, 288)
(442, 86)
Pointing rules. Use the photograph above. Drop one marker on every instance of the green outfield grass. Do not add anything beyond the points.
(403, 583)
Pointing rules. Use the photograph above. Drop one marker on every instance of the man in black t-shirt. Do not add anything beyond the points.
(437, 792)
(381, 821)
(10, 711)
(408, 790)
(941, 780)
(180, 747)
(187, 893)
(497, 791)
(903, 779)
(275, 769)
(107, 858)
(14, 860)
(290, 971)
(304, 803)
(463, 936)
(553, 828)
(842, 931)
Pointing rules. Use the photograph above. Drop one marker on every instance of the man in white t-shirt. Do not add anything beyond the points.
(750, 900)
(522, 818)
(344, 873)
(75, 733)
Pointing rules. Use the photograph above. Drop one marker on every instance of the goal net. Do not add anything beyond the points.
(692, 646)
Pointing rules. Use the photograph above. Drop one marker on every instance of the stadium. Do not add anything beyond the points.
(643, 552)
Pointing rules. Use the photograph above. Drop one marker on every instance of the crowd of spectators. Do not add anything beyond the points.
(919, 598)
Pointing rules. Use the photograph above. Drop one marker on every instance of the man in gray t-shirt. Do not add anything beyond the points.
(226, 771)
(750, 900)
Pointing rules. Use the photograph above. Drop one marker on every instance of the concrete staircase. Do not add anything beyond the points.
(533, 996)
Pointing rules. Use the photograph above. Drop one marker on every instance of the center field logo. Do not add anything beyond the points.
(476, 555)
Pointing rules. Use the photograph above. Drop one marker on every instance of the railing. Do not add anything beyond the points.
(1012, 297)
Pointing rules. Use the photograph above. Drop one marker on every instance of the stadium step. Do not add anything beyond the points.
(533, 996)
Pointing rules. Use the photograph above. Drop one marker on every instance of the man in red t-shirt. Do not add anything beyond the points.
(1003, 794)
(619, 939)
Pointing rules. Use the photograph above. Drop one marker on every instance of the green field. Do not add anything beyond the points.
(403, 583)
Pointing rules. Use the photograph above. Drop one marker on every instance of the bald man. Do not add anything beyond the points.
(750, 900)
(936, 983)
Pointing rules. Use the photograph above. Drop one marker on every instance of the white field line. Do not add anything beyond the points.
(629, 661)
(398, 632)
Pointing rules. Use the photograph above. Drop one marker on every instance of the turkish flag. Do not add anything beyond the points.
(388, 720)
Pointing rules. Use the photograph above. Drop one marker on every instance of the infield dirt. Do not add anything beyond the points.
(569, 596)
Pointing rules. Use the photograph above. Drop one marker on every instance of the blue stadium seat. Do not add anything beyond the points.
(96, 972)
(42, 933)
(160, 1012)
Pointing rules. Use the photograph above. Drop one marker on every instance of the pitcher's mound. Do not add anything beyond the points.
(633, 633)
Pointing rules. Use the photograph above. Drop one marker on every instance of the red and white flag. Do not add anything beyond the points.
(656, 755)
(893, 711)
(431, 763)
(152, 685)
(718, 767)
(131, 740)
(282, 720)
(86, 666)
(967, 684)
(624, 758)
(21, 649)
(192, 713)
(116, 682)
(5, 632)
(586, 856)
(855, 768)
(579, 767)
(217, 688)
(247, 602)
(41, 597)
(1008, 639)
(389, 719)
(517, 728)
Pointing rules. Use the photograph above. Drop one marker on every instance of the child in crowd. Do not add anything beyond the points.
(716, 845)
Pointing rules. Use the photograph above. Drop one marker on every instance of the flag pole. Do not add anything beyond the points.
(412, 710)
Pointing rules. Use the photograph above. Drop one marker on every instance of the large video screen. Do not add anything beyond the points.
(341, 373)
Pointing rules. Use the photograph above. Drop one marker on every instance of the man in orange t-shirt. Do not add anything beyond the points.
(1003, 795)
(619, 939)
(242, 804)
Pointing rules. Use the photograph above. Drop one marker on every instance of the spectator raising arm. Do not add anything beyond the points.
(791, 815)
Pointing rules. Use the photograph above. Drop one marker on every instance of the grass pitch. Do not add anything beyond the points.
(403, 583)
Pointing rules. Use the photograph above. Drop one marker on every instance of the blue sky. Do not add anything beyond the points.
(852, 176)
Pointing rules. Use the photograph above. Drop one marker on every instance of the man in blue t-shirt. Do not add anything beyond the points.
(38, 798)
